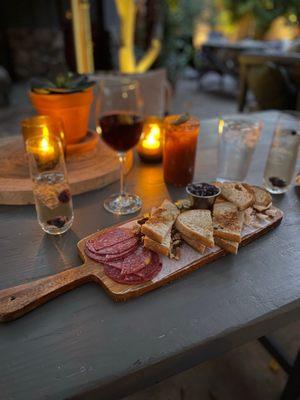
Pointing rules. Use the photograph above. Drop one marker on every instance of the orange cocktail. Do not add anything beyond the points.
(180, 142)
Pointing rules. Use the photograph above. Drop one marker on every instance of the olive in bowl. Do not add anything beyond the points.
(202, 195)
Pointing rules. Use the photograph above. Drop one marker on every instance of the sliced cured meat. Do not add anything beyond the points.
(145, 274)
(114, 249)
(110, 238)
(115, 274)
(149, 272)
(134, 261)
(101, 258)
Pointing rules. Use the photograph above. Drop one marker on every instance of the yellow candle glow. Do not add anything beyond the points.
(152, 140)
(46, 151)
(150, 146)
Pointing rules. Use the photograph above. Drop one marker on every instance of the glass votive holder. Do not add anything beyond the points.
(150, 146)
(51, 190)
(43, 125)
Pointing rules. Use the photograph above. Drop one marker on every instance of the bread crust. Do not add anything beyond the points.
(156, 247)
(228, 245)
(259, 204)
(196, 244)
(147, 230)
(161, 221)
(229, 191)
(190, 233)
(228, 221)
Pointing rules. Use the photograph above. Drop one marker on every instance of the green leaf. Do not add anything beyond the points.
(182, 119)
(63, 84)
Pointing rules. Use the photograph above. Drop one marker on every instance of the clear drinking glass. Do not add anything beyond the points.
(237, 142)
(120, 123)
(51, 190)
(282, 157)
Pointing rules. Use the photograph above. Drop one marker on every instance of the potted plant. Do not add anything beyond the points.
(68, 97)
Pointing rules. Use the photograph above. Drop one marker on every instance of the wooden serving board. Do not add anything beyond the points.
(16, 301)
(88, 171)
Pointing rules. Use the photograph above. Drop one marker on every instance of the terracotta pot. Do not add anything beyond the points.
(72, 108)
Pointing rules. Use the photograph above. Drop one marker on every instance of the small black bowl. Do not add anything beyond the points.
(204, 201)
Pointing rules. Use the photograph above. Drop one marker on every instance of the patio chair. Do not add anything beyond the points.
(274, 78)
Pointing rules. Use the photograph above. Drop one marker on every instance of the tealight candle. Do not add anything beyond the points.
(150, 144)
(45, 153)
(46, 150)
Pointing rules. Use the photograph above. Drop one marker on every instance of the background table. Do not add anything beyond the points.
(83, 344)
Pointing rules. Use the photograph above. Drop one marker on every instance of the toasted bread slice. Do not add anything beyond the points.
(196, 224)
(263, 199)
(227, 245)
(160, 223)
(163, 248)
(227, 221)
(196, 244)
(237, 193)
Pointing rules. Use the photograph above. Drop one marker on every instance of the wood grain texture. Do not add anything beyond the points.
(89, 171)
(17, 301)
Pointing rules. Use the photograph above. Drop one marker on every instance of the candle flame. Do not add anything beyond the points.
(221, 126)
(44, 144)
(45, 131)
(152, 140)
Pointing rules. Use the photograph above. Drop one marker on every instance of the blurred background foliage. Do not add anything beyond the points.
(180, 17)
(189, 23)
(263, 12)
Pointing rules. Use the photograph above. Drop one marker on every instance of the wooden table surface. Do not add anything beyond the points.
(84, 345)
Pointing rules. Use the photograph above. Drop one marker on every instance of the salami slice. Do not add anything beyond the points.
(148, 273)
(109, 238)
(114, 249)
(134, 261)
(145, 274)
(109, 257)
(115, 274)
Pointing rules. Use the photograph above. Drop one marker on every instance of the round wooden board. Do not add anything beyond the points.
(89, 171)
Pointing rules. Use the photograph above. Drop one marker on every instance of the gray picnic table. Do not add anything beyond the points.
(83, 345)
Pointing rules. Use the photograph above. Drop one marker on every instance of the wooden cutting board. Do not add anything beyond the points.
(91, 170)
(16, 301)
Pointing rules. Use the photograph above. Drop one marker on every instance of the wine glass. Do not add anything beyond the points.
(119, 122)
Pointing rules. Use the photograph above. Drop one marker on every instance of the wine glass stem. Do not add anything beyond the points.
(122, 157)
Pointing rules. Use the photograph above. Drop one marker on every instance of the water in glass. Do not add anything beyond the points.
(237, 142)
(282, 158)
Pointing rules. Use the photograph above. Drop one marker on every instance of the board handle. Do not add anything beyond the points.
(18, 300)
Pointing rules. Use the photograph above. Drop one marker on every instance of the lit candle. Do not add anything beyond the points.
(150, 145)
(45, 153)
(46, 150)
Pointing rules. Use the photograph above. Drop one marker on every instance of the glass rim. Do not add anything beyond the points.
(29, 122)
(194, 122)
(247, 122)
(120, 81)
(288, 115)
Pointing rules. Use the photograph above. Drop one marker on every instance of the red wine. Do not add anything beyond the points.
(121, 131)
